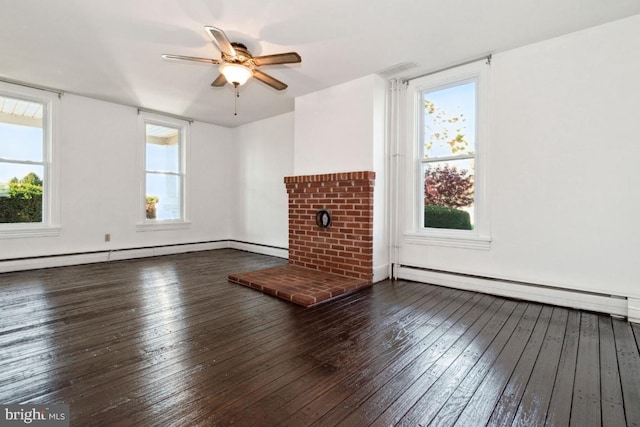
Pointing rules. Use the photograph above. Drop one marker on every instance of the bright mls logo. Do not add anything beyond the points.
(34, 415)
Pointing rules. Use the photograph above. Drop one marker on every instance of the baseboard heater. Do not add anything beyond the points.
(611, 304)
(60, 260)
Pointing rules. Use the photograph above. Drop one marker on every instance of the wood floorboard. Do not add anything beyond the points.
(537, 395)
(364, 346)
(437, 327)
(148, 357)
(610, 388)
(448, 414)
(481, 405)
(117, 334)
(231, 364)
(629, 368)
(168, 341)
(319, 400)
(421, 400)
(314, 364)
(506, 407)
(443, 350)
(113, 352)
(374, 348)
(586, 409)
(246, 371)
(559, 413)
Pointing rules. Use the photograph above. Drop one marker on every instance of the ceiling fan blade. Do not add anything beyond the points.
(190, 58)
(279, 58)
(221, 40)
(220, 81)
(267, 79)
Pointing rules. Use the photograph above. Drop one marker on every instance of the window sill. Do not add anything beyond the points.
(26, 231)
(449, 239)
(163, 226)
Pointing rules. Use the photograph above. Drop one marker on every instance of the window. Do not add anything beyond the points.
(25, 162)
(164, 172)
(449, 128)
(448, 156)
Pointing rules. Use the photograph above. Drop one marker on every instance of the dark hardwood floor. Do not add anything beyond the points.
(169, 342)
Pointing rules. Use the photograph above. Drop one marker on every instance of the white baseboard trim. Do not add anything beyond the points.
(567, 298)
(123, 254)
(259, 249)
(633, 310)
(52, 261)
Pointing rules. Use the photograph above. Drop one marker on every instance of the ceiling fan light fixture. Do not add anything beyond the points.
(236, 74)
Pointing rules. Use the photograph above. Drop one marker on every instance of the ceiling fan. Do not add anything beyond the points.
(237, 65)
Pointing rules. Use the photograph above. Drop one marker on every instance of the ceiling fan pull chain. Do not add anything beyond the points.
(235, 107)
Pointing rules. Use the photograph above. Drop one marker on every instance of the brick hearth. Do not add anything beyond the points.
(299, 285)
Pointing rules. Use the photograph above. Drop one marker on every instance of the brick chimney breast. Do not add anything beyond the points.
(346, 246)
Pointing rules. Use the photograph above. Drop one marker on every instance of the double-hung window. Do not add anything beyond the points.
(448, 155)
(449, 127)
(25, 163)
(164, 173)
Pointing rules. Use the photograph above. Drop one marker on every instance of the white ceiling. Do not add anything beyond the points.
(110, 49)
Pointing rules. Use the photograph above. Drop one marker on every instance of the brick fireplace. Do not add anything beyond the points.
(345, 247)
(325, 262)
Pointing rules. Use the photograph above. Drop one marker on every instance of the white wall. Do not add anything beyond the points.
(563, 162)
(334, 129)
(99, 154)
(263, 157)
(380, 192)
(342, 129)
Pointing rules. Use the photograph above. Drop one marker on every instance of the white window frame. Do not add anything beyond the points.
(145, 224)
(416, 233)
(50, 225)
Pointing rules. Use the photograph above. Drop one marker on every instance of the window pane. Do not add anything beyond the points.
(21, 190)
(450, 121)
(163, 196)
(21, 134)
(449, 194)
(163, 148)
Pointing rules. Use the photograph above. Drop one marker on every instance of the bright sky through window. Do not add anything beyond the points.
(453, 112)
